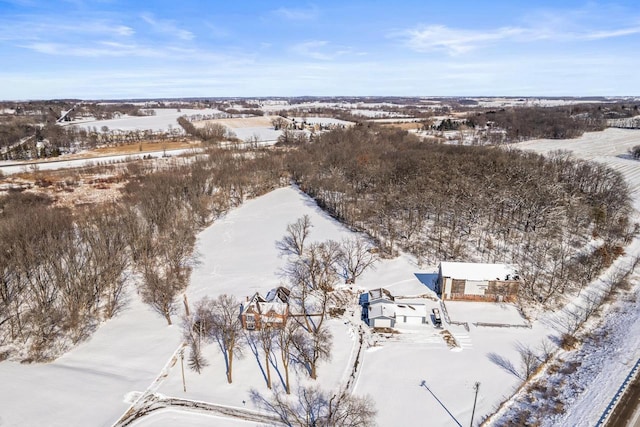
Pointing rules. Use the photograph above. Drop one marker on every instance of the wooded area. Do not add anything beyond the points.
(63, 272)
(445, 202)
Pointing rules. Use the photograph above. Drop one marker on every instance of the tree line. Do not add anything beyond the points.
(524, 123)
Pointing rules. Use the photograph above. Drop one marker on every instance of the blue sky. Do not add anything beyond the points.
(124, 49)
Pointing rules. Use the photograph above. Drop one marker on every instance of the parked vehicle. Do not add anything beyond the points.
(437, 320)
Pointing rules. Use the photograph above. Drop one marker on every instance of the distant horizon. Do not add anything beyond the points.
(328, 97)
(112, 50)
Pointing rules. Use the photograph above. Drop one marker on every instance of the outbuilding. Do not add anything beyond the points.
(382, 315)
(478, 282)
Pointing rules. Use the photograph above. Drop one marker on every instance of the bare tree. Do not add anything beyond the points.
(226, 329)
(505, 364)
(267, 337)
(357, 256)
(214, 132)
(285, 337)
(529, 361)
(293, 243)
(312, 347)
(197, 331)
(279, 122)
(159, 288)
(314, 407)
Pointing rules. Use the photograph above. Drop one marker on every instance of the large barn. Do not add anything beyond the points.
(478, 282)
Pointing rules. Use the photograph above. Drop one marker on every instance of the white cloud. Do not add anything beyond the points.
(292, 14)
(95, 50)
(123, 30)
(598, 35)
(320, 50)
(454, 41)
(167, 27)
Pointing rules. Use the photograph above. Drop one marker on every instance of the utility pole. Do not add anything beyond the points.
(184, 384)
(476, 387)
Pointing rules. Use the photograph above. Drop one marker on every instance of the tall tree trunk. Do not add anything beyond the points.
(230, 356)
(286, 378)
(266, 360)
(314, 374)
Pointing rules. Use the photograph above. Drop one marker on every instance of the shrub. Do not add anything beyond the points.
(568, 342)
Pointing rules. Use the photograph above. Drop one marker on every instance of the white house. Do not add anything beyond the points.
(383, 310)
(382, 315)
(410, 313)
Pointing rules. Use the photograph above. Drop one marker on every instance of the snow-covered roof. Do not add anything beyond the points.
(275, 307)
(380, 293)
(279, 294)
(411, 310)
(382, 310)
(477, 271)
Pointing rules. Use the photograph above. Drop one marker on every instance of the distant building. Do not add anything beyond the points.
(478, 282)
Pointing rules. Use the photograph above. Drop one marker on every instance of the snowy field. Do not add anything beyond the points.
(10, 167)
(248, 128)
(164, 120)
(175, 418)
(610, 147)
(485, 312)
(530, 102)
(396, 120)
(88, 386)
(377, 113)
(321, 121)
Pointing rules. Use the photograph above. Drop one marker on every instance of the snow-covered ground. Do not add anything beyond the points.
(263, 134)
(485, 312)
(11, 167)
(414, 377)
(89, 385)
(163, 120)
(321, 121)
(377, 113)
(530, 102)
(248, 128)
(396, 120)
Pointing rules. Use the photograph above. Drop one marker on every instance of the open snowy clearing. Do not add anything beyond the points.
(163, 120)
(321, 121)
(241, 122)
(173, 418)
(484, 312)
(10, 168)
(610, 147)
(246, 128)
